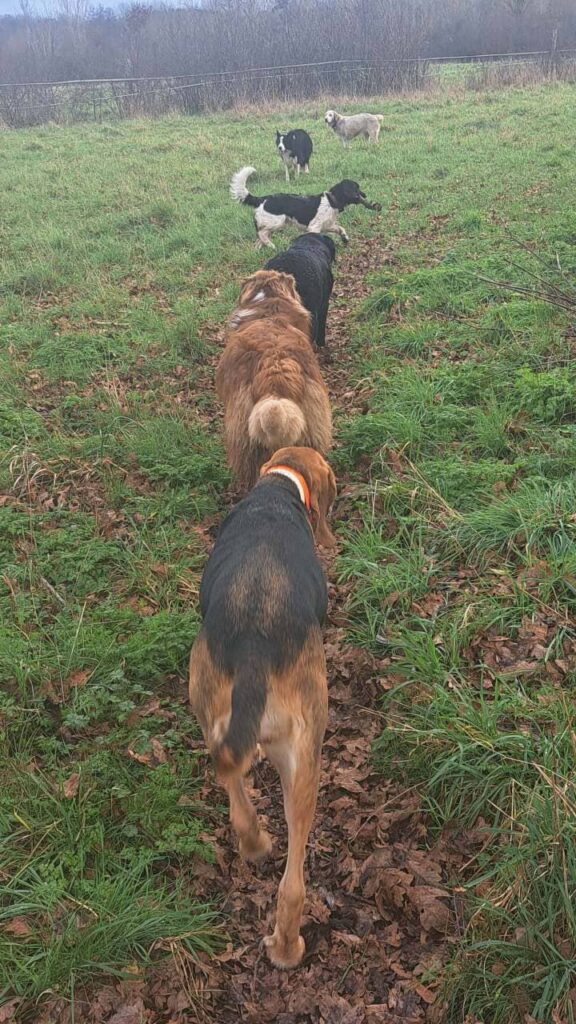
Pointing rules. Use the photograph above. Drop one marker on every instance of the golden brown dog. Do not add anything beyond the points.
(257, 668)
(268, 377)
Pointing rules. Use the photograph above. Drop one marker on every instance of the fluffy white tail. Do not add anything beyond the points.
(276, 423)
(238, 189)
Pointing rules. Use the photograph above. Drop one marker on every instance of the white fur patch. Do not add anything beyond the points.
(269, 221)
(247, 311)
(326, 218)
(276, 471)
(238, 189)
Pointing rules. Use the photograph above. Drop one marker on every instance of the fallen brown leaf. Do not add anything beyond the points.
(78, 679)
(70, 787)
(17, 926)
(336, 1010)
(8, 1010)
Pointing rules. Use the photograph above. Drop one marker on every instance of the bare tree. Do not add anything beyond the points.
(361, 44)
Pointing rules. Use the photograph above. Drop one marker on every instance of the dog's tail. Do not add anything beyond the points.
(276, 423)
(238, 189)
(233, 753)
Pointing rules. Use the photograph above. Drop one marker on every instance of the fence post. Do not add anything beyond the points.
(554, 53)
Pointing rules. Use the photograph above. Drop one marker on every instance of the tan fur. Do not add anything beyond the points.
(291, 737)
(270, 599)
(348, 128)
(321, 483)
(269, 359)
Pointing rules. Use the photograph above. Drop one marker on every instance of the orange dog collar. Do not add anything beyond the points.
(296, 478)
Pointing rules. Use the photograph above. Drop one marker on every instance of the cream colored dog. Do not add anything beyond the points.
(348, 128)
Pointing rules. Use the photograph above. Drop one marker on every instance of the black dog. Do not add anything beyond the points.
(317, 213)
(309, 259)
(294, 149)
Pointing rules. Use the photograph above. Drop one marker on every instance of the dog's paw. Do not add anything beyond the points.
(256, 847)
(282, 955)
(377, 207)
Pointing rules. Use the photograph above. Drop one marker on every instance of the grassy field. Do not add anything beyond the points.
(120, 254)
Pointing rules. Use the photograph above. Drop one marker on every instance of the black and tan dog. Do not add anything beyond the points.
(257, 669)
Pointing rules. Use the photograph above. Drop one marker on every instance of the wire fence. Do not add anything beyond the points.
(32, 103)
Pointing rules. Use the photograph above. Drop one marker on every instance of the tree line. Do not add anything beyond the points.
(79, 41)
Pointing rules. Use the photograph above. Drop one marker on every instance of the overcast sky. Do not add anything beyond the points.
(13, 6)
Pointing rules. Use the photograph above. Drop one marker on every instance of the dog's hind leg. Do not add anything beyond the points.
(244, 456)
(299, 768)
(307, 168)
(254, 842)
(265, 224)
(320, 324)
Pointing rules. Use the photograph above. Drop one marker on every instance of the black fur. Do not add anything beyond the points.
(303, 209)
(309, 259)
(348, 193)
(265, 553)
(297, 143)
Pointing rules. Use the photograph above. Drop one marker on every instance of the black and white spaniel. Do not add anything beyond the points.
(317, 213)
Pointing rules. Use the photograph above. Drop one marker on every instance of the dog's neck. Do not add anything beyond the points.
(333, 202)
(296, 478)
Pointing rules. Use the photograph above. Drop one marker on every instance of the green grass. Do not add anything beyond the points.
(120, 254)
(464, 536)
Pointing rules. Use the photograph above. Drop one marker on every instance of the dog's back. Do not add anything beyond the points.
(263, 595)
(263, 600)
(268, 378)
(309, 260)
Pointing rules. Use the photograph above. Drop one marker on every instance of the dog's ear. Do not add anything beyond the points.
(250, 289)
(272, 283)
(322, 494)
(321, 484)
(253, 285)
(278, 285)
(285, 284)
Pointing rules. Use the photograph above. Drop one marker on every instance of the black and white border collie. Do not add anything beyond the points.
(294, 149)
(317, 213)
